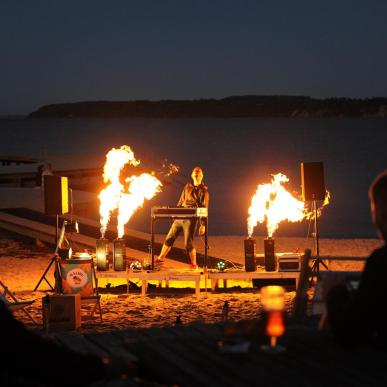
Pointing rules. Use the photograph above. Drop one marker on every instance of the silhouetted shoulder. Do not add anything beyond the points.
(378, 257)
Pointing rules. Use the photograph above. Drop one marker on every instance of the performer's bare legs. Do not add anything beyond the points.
(166, 249)
(163, 253)
(192, 256)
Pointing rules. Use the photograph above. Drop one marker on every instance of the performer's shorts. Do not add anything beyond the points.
(188, 226)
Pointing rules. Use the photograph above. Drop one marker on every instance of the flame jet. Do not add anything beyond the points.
(116, 196)
(310, 214)
(110, 196)
(140, 188)
(273, 203)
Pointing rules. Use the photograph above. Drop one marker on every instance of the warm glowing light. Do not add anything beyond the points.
(109, 197)
(102, 253)
(140, 188)
(136, 266)
(221, 265)
(125, 197)
(273, 298)
(169, 169)
(275, 325)
(115, 161)
(310, 214)
(272, 204)
(83, 255)
(273, 302)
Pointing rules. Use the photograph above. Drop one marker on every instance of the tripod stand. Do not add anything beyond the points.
(71, 227)
(53, 259)
(315, 269)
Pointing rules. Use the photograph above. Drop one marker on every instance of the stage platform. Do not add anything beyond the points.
(197, 277)
(159, 275)
(249, 276)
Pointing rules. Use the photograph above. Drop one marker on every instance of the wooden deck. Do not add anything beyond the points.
(189, 356)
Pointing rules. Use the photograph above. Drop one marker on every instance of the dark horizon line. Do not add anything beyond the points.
(21, 115)
(218, 99)
(232, 106)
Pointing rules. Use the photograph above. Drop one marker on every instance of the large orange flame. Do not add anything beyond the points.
(273, 203)
(109, 197)
(140, 188)
(114, 196)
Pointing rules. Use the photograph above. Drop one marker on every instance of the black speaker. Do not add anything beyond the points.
(312, 181)
(56, 195)
(270, 258)
(250, 247)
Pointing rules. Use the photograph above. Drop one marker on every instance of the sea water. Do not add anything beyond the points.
(236, 155)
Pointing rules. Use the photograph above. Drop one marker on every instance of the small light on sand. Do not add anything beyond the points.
(221, 265)
(136, 266)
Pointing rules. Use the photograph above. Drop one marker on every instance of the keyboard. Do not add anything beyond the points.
(179, 212)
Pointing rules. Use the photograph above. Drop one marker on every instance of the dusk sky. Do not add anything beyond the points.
(68, 51)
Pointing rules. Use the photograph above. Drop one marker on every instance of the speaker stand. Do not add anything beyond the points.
(315, 269)
(55, 259)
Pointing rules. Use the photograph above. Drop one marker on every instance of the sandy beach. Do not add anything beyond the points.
(22, 263)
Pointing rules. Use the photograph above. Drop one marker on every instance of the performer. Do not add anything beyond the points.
(194, 195)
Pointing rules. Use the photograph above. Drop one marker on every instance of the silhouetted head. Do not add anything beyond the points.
(378, 199)
(197, 175)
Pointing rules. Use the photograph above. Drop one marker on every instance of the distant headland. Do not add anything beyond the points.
(235, 106)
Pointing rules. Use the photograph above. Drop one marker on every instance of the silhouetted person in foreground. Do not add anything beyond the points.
(360, 316)
(37, 361)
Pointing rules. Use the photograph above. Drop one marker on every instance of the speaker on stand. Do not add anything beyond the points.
(56, 197)
(313, 190)
(56, 202)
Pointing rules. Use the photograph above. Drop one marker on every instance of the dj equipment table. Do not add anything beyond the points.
(179, 213)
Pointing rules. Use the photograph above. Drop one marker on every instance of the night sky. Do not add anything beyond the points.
(67, 51)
